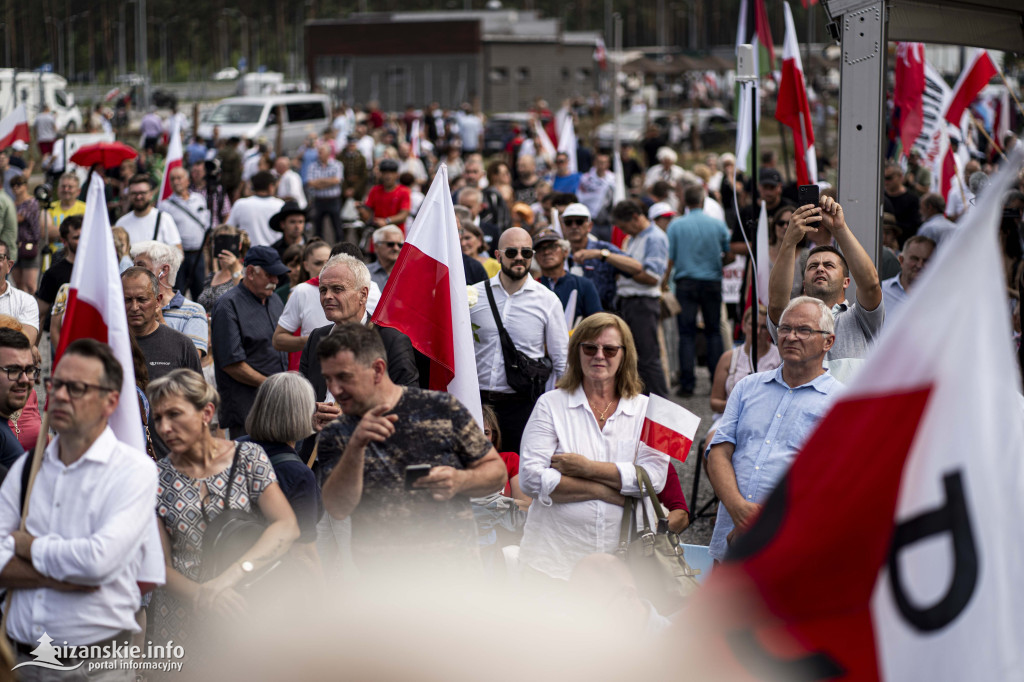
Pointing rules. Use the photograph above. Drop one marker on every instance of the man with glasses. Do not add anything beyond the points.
(826, 277)
(387, 244)
(768, 417)
(144, 221)
(534, 319)
(90, 534)
(18, 372)
(600, 262)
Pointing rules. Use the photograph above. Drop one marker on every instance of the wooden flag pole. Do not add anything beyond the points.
(981, 129)
(1008, 88)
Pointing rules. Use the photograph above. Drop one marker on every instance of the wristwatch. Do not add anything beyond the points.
(247, 567)
(604, 254)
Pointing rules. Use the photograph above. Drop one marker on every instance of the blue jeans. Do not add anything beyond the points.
(706, 295)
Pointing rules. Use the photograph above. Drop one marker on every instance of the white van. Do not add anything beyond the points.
(34, 89)
(254, 117)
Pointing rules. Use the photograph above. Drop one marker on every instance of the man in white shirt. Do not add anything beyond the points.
(534, 319)
(91, 533)
(145, 222)
(15, 302)
(253, 214)
(289, 183)
(192, 217)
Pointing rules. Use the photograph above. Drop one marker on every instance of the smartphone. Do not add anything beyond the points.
(807, 194)
(227, 242)
(415, 472)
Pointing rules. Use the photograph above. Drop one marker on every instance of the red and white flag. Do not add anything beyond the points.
(95, 309)
(567, 143)
(14, 126)
(908, 93)
(426, 298)
(975, 77)
(600, 54)
(892, 548)
(791, 108)
(174, 157)
(669, 428)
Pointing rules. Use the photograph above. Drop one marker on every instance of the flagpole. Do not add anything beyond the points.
(616, 104)
(755, 192)
(1008, 88)
(981, 129)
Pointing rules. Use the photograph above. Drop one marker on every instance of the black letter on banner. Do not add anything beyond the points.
(752, 656)
(952, 518)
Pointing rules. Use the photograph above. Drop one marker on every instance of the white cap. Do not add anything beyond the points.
(576, 210)
(19, 146)
(660, 210)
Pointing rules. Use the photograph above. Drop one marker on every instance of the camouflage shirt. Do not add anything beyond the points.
(390, 522)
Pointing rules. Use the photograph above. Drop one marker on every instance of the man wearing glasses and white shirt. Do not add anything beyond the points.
(14, 302)
(91, 533)
(534, 319)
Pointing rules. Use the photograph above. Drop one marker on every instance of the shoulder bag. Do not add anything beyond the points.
(655, 557)
(525, 375)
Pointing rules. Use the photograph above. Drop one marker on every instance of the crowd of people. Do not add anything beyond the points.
(269, 397)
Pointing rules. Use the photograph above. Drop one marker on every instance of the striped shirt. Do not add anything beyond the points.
(190, 319)
(318, 171)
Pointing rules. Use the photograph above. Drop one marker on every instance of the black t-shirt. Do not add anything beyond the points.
(166, 350)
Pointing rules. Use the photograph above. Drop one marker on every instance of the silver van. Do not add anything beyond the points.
(257, 116)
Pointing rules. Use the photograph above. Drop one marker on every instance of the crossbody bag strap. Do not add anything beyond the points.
(156, 228)
(231, 481)
(508, 347)
(625, 527)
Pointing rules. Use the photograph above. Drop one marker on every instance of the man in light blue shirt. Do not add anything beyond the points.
(916, 252)
(768, 417)
(697, 244)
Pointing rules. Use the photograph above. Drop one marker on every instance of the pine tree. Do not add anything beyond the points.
(45, 653)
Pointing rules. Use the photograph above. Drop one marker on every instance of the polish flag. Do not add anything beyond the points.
(567, 143)
(95, 309)
(669, 428)
(908, 93)
(975, 77)
(426, 299)
(892, 548)
(174, 157)
(791, 108)
(600, 54)
(14, 126)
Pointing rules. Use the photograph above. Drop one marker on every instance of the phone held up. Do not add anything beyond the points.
(808, 194)
(415, 472)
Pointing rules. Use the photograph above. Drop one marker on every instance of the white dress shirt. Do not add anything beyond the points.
(253, 215)
(290, 185)
(21, 306)
(93, 524)
(141, 229)
(303, 310)
(558, 535)
(533, 317)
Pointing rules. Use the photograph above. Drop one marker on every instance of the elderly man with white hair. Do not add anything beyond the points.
(387, 244)
(668, 171)
(768, 417)
(179, 314)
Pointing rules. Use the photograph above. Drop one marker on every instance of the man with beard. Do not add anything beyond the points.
(534, 319)
(18, 371)
(826, 276)
(244, 320)
(145, 222)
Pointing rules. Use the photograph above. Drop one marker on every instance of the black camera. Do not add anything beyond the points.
(44, 193)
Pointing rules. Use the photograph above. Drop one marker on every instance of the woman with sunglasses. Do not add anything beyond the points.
(780, 223)
(578, 449)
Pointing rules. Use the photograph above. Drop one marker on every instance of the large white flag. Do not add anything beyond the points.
(893, 546)
(567, 143)
(763, 262)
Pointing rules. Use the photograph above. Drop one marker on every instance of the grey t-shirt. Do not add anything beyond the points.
(166, 350)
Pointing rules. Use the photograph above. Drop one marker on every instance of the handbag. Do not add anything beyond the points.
(669, 305)
(230, 535)
(525, 375)
(655, 557)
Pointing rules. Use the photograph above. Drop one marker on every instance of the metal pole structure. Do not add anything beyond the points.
(142, 49)
(616, 102)
(608, 23)
(122, 56)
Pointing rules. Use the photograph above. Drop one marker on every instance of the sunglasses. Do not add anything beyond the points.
(590, 350)
(512, 252)
(393, 245)
(574, 222)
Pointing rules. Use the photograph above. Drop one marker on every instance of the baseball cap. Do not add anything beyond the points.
(268, 259)
(19, 146)
(544, 237)
(388, 166)
(575, 211)
(770, 176)
(660, 210)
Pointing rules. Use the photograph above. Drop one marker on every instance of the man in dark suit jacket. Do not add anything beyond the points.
(344, 286)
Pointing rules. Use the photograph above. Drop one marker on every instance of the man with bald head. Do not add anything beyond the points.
(533, 317)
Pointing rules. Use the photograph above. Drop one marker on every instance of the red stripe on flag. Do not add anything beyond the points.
(165, 186)
(422, 312)
(663, 439)
(81, 321)
(792, 110)
(969, 85)
(764, 31)
(20, 132)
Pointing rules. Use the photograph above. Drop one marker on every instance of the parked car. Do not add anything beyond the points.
(714, 125)
(500, 129)
(253, 117)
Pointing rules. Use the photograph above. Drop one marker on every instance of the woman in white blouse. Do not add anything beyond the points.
(579, 447)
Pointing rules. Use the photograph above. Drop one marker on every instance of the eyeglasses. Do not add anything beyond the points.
(574, 222)
(76, 389)
(590, 350)
(801, 333)
(512, 252)
(891, 177)
(139, 194)
(393, 245)
(14, 372)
